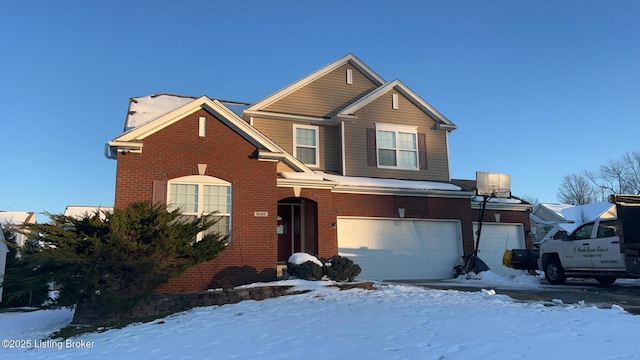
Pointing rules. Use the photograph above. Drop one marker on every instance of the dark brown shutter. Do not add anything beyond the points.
(422, 151)
(159, 192)
(371, 147)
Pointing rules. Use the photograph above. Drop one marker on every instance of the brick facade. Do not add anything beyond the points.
(176, 151)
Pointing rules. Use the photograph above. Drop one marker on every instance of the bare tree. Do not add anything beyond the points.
(618, 176)
(633, 162)
(577, 189)
(530, 199)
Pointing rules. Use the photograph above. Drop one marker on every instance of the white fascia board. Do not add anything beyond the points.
(316, 75)
(163, 121)
(306, 184)
(288, 117)
(369, 190)
(502, 206)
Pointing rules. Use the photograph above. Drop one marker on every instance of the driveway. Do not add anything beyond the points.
(624, 293)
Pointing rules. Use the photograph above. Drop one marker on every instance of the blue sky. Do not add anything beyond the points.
(538, 89)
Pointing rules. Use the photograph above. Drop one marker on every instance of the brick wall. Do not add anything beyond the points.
(176, 151)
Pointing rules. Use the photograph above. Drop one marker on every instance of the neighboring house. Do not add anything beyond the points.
(548, 220)
(17, 218)
(340, 161)
(4, 250)
(78, 212)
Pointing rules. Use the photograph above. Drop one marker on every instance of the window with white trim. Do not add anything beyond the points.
(198, 195)
(397, 146)
(305, 144)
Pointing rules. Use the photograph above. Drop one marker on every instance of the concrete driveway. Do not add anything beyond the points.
(624, 293)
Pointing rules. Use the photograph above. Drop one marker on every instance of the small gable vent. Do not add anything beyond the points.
(349, 76)
(202, 126)
(394, 101)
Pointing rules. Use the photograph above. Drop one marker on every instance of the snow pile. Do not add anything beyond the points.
(391, 322)
(301, 258)
(490, 278)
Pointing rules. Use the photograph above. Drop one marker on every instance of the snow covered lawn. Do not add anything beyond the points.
(392, 322)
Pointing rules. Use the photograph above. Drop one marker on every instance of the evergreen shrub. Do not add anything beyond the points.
(306, 271)
(339, 268)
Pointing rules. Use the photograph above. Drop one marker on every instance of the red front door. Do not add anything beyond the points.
(288, 228)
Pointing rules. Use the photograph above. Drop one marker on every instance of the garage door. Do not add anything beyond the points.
(494, 240)
(400, 249)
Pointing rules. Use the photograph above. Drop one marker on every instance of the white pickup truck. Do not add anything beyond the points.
(591, 251)
(604, 249)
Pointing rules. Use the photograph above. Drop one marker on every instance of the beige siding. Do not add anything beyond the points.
(281, 131)
(380, 110)
(326, 95)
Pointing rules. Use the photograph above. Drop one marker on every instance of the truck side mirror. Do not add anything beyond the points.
(564, 235)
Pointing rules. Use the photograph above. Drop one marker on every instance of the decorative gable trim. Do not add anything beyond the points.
(131, 141)
(350, 58)
(441, 121)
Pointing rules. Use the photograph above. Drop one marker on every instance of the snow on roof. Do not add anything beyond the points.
(80, 211)
(499, 200)
(588, 212)
(388, 183)
(146, 108)
(576, 215)
(557, 208)
(17, 217)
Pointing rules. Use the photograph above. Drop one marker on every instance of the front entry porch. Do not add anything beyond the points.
(297, 227)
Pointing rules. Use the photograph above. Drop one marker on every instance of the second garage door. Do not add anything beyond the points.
(494, 240)
(400, 249)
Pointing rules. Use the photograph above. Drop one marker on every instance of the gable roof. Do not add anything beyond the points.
(570, 216)
(441, 121)
(17, 217)
(132, 140)
(349, 58)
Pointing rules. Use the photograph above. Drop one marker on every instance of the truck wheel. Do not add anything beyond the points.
(554, 272)
(606, 280)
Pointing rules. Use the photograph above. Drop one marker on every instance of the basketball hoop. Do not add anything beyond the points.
(501, 193)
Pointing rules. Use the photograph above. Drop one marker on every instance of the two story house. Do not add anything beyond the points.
(340, 161)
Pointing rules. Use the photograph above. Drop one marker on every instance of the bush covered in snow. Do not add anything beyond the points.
(308, 267)
(340, 268)
(304, 266)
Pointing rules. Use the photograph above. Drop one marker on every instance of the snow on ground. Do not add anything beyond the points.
(394, 321)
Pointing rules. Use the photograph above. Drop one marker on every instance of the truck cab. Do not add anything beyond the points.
(590, 251)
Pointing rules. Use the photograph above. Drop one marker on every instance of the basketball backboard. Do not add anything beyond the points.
(493, 184)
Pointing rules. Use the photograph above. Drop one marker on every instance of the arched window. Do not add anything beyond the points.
(197, 195)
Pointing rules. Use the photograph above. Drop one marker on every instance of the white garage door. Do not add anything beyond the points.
(400, 249)
(494, 240)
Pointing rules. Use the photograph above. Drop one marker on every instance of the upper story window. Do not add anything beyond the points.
(305, 144)
(397, 146)
(197, 195)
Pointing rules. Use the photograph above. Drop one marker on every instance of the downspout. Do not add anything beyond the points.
(344, 166)
(446, 142)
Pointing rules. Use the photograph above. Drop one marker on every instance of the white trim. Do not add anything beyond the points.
(316, 129)
(200, 181)
(287, 117)
(441, 121)
(135, 136)
(342, 145)
(397, 129)
(446, 147)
